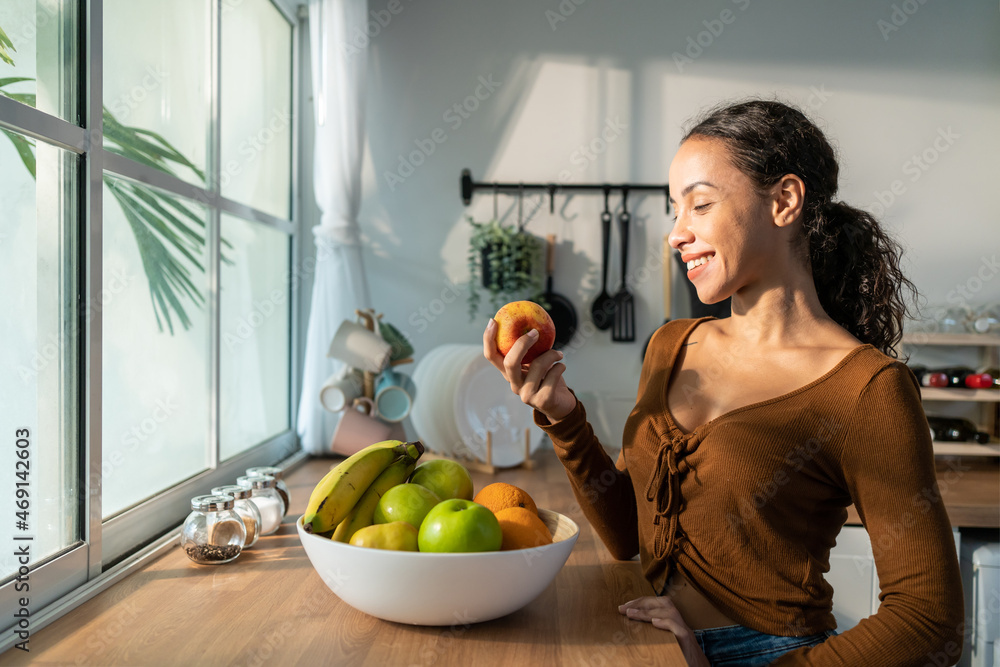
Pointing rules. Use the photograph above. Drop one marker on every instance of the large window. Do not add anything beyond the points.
(146, 256)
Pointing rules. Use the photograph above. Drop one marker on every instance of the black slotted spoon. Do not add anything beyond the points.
(623, 326)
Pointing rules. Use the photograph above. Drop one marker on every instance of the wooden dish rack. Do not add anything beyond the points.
(487, 466)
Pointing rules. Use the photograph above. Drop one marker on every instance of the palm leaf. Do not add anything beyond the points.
(6, 46)
(146, 146)
(24, 147)
(164, 271)
(170, 236)
(23, 98)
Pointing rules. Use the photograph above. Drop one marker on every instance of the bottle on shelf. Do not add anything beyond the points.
(993, 372)
(956, 429)
(965, 377)
(929, 378)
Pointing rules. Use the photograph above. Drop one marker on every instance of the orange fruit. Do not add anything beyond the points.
(522, 529)
(500, 495)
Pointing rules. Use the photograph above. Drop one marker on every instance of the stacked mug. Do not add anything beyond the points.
(365, 420)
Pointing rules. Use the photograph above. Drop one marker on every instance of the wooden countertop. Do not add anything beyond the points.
(269, 607)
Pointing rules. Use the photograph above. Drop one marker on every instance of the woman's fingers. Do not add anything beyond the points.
(540, 367)
(490, 350)
(661, 613)
(651, 608)
(647, 602)
(539, 384)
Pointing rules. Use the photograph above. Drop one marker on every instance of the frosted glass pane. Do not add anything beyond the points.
(155, 402)
(38, 42)
(39, 328)
(255, 335)
(256, 106)
(156, 79)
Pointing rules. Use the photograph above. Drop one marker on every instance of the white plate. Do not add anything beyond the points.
(452, 369)
(484, 401)
(424, 404)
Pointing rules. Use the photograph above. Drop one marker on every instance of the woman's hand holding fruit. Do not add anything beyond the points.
(540, 384)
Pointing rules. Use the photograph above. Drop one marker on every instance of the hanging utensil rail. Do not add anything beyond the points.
(470, 186)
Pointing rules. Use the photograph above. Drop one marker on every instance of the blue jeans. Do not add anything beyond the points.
(737, 646)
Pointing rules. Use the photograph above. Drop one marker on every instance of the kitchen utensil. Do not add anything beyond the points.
(623, 324)
(401, 347)
(484, 402)
(340, 389)
(394, 393)
(360, 348)
(668, 269)
(433, 413)
(438, 588)
(445, 405)
(420, 417)
(560, 309)
(356, 429)
(603, 309)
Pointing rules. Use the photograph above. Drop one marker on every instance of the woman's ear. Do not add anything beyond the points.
(789, 196)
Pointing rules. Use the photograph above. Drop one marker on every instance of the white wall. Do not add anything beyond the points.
(882, 96)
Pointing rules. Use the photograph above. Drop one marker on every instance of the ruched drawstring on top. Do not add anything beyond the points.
(664, 490)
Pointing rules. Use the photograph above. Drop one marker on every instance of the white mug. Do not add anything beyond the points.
(340, 389)
(360, 348)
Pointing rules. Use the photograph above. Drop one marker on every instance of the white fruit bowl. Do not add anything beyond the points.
(440, 588)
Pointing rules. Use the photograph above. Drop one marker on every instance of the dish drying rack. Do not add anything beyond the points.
(487, 466)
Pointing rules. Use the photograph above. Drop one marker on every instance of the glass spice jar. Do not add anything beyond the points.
(247, 511)
(213, 533)
(278, 474)
(264, 494)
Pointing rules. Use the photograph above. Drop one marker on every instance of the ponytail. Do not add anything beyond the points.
(855, 267)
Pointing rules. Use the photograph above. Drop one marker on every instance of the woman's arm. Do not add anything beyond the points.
(888, 468)
(603, 490)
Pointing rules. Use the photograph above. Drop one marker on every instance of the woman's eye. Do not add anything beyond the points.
(702, 207)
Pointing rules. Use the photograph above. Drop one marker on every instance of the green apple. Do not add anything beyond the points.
(396, 536)
(405, 502)
(459, 525)
(448, 479)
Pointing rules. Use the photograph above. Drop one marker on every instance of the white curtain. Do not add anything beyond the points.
(340, 286)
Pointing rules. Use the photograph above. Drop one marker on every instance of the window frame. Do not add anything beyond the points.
(110, 548)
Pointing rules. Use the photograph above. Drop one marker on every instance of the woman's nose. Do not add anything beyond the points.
(679, 233)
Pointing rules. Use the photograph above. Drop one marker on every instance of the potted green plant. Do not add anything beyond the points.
(502, 260)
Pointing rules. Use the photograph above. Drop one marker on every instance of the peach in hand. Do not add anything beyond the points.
(518, 318)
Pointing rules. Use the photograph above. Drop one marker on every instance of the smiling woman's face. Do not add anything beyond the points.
(723, 227)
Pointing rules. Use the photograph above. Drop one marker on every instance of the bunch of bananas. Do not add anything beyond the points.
(344, 500)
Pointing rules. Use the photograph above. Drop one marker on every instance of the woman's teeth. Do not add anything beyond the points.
(698, 262)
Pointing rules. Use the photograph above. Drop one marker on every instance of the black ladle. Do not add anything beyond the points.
(602, 311)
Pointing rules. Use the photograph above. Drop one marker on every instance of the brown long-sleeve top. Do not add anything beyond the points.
(748, 505)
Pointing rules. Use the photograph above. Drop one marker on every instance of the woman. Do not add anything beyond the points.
(752, 434)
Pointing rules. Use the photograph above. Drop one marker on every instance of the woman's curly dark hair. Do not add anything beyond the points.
(855, 264)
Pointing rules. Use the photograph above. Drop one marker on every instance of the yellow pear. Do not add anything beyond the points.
(396, 535)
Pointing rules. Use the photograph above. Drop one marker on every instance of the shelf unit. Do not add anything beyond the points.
(988, 399)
